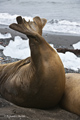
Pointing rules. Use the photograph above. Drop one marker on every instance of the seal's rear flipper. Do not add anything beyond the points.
(29, 27)
(22, 26)
(16, 27)
(40, 21)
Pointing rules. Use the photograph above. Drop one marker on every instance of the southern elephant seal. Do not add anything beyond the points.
(39, 80)
(71, 98)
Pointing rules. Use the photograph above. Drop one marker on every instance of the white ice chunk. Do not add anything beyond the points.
(17, 49)
(70, 60)
(4, 36)
(76, 45)
(1, 47)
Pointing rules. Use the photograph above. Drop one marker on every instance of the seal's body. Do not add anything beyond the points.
(39, 80)
(71, 98)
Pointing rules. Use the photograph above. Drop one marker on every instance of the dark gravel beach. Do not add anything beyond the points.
(9, 111)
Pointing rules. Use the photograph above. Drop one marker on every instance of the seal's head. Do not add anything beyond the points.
(36, 25)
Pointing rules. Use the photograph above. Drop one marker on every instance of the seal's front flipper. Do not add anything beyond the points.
(16, 27)
(22, 26)
(40, 21)
(29, 27)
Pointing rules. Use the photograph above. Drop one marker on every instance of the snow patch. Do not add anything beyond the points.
(17, 49)
(4, 36)
(77, 45)
(1, 47)
(70, 60)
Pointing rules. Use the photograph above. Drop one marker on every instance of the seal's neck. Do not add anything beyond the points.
(40, 51)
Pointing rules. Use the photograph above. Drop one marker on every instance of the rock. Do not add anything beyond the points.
(11, 111)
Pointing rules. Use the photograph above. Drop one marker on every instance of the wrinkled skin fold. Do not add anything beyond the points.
(37, 81)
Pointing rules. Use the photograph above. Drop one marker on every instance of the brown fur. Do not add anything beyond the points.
(37, 81)
(71, 98)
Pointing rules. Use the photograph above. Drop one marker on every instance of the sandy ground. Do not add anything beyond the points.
(9, 111)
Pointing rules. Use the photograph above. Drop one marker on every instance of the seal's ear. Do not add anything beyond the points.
(44, 21)
(40, 21)
(37, 20)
